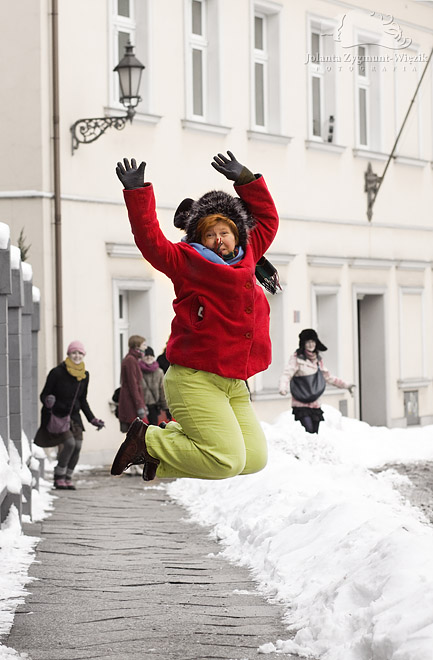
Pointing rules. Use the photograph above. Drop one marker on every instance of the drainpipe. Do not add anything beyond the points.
(56, 176)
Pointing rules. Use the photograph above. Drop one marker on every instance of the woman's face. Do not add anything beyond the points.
(76, 356)
(142, 346)
(310, 345)
(149, 359)
(220, 239)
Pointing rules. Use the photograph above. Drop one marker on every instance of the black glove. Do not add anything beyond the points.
(131, 176)
(98, 423)
(230, 168)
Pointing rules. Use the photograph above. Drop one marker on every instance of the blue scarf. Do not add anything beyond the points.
(210, 255)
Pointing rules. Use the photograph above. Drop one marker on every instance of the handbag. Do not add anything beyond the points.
(57, 424)
(115, 398)
(308, 388)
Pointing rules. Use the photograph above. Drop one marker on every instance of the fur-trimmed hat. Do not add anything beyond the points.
(190, 212)
(307, 334)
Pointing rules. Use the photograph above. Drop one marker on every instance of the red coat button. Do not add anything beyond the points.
(248, 335)
(248, 285)
(248, 309)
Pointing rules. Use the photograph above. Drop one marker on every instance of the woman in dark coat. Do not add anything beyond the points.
(65, 393)
(131, 396)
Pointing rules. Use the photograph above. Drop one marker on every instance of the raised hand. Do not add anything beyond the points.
(130, 175)
(230, 167)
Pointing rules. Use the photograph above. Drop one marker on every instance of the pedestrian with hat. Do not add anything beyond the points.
(220, 330)
(63, 396)
(306, 376)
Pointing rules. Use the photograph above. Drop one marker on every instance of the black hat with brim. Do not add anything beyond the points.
(307, 334)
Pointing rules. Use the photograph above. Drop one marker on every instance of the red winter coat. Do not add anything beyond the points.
(131, 397)
(221, 322)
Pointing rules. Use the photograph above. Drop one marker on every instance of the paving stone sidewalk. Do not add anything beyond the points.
(121, 574)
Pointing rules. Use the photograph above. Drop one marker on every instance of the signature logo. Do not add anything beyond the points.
(391, 34)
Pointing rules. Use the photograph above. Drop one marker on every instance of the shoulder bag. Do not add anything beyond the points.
(61, 424)
(307, 389)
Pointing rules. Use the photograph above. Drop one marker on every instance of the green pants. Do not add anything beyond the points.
(216, 433)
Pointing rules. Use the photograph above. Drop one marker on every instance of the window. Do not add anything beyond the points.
(260, 69)
(123, 30)
(129, 22)
(322, 81)
(202, 77)
(367, 102)
(266, 97)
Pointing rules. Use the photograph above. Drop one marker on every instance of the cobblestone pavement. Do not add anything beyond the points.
(120, 574)
(420, 490)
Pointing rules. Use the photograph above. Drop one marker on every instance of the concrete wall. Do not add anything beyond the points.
(19, 325)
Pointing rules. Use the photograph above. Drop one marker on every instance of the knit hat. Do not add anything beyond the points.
(76, 346)
(190, 212)
(307, 334)
(149, 351)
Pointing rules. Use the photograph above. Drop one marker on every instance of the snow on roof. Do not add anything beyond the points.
(27, 271)
(5, 235)
(36, 294)
(15, 257)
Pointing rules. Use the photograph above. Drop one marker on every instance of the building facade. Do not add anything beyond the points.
(307, 93)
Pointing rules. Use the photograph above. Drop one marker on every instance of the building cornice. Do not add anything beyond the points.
(324, 261)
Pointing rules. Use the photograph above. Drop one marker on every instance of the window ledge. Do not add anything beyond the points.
(269, 137)
(413, 383)
(325, 146)
(123, 250)
(273, 394)
(205, 126)
(366, 153)
(266, 395)
(144, 117)
(413, 162)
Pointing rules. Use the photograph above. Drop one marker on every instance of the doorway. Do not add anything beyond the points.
(371, 359)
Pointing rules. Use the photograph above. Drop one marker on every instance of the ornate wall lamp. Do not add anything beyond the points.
(129, 69)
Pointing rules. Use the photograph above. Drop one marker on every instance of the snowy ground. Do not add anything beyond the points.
(333, 540)
(16, 555)
(321, 529)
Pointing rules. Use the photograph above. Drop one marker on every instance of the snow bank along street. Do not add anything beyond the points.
(324, 529)
(333, 540)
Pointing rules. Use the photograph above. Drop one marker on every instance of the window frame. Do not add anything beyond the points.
(201, 44)
(119, 24)
(261, 58)
(269, 57)
(363, 83)
(370, 42)
(322, 27)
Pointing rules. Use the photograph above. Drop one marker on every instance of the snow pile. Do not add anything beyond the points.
(5, 235)
(16, 549)
(336, 543)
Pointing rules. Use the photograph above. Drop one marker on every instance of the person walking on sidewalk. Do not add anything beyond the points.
(220, 331)
(153, 386)
(307, 377)
(65, 393)
(131, 395)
